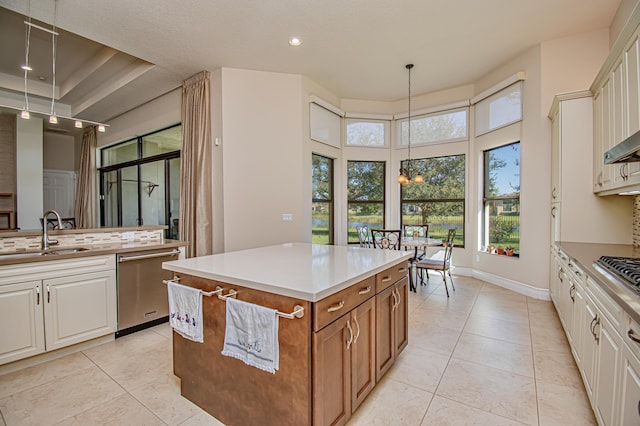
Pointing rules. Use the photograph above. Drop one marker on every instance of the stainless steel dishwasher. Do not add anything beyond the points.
(142, 297)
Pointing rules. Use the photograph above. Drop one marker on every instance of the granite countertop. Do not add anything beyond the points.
(306, 271)
(585, 254)
(91, 250)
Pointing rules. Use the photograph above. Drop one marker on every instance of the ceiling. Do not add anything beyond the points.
(115, 55)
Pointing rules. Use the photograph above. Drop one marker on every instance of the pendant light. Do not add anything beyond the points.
(407, 171)
(53, 119)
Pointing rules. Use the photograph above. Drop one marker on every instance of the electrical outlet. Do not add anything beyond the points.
(477, 258)
(287, 217)
(127, 235)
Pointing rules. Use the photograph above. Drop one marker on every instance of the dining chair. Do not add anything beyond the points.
(419, 231)
(363, 236)
(386, 238)
(390, 239)
(441, 265)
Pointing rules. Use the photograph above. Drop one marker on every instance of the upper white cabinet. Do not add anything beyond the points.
(617, 110)
(574, 209)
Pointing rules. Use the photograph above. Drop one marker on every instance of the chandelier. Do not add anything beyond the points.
(408, 170)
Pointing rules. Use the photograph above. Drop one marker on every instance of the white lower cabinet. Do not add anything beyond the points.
(21, 321)
(630, 388)
(609, 355)
(57, 304)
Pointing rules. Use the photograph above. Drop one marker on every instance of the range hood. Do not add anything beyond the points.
(625, 152)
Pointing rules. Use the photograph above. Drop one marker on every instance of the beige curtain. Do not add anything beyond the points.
(195, 224)
(86, 206)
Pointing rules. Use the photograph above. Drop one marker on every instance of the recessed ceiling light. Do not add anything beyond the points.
(294, 41)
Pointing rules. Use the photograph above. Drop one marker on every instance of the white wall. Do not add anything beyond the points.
(29, 172)
(261, 136)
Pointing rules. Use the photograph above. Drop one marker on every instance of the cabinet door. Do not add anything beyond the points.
(607, 134)
(630, 396)
(598, 143)
(578, 321)
(588, 346)
(332, 373)
(609, 357)
(21, 321)
(385, 330)
(363, 352)
(79, 308)
(632, 62)
(401, 330)
(556, 154)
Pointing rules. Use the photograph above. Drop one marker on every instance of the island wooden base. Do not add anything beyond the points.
(233, 392)
(330, 359)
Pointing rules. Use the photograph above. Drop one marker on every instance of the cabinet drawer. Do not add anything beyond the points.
(605, 303)
(333, 307)
(631, 335)
(390, 276)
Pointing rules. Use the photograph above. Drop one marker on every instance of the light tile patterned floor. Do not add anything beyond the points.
(484, 356)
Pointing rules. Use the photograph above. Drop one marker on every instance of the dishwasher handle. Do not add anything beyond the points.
(148, 256)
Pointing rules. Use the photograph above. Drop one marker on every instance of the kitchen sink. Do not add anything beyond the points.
(48, 252)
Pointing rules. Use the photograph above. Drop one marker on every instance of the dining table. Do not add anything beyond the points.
(416, 243)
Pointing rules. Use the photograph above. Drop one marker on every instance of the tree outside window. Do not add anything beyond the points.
(365, 196)
(439, 200)
(501, 231)
(322, 200)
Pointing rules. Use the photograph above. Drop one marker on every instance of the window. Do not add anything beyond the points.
(502, 198)
(322, 200)
(438, 127)
(140, 181)
(365, 196)
(369, 133)
(499, 110)
(439, 201)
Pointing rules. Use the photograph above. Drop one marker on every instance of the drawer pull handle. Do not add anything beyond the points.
(336, 307)
(365, 290)
(386, 279)
(632, 336)
(402, 270)
(38, 294)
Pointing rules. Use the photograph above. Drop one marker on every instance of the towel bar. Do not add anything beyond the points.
(217, 291)
(298, 310)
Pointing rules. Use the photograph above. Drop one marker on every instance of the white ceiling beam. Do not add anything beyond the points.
(111, 86)
(88, 68)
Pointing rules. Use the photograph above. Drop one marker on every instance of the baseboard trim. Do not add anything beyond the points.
(518, 287)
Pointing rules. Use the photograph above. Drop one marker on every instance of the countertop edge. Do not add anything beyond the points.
(99, 249)
(282, 291)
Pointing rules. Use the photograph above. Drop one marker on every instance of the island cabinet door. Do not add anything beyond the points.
(401, 317)
(363, 355)
(332, 372)
(385, 330)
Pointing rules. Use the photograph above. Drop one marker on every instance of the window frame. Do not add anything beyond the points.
(356, 202)
(402, 142)
(462, 200)
(487, 199)
(387, 132)
(483, 112)
(330, 201)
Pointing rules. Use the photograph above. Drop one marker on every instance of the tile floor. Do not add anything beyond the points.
(485, 356)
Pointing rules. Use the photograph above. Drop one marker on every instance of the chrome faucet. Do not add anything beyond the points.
(45, 238)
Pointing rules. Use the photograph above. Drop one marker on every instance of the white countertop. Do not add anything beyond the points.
(300, 270)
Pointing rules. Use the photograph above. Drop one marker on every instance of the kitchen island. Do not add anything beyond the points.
(352, 328)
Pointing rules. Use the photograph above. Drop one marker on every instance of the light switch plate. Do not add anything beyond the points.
(287, 217)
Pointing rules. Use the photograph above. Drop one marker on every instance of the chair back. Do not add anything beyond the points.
(421, 231)
(386, 238)
(363, 236)
(449, 245)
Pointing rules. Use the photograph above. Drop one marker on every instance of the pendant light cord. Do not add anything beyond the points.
(53, 56)
(27, 42)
